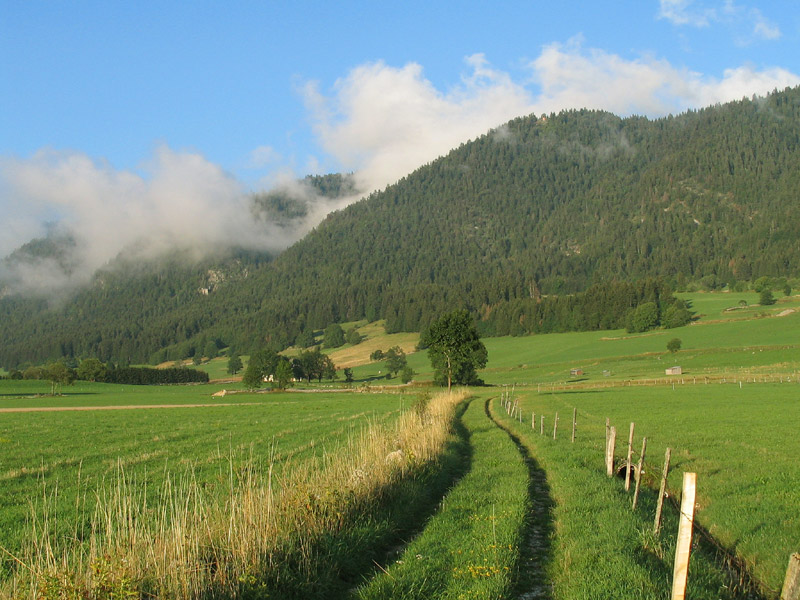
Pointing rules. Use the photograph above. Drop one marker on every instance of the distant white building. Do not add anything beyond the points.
(674, 371)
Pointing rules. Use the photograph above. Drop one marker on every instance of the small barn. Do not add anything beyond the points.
(575, 372)
(674, 371)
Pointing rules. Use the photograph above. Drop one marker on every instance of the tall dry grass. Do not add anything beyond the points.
(196, 543)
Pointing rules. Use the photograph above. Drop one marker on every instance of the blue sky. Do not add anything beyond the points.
(125, 107)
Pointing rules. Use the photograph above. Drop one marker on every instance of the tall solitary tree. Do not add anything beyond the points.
(59, 376)
(455, 349)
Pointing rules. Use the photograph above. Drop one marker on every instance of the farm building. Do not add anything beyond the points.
(674, 371)
(574, 372)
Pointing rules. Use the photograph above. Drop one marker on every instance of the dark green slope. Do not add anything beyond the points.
(549, 206)
(557, 205)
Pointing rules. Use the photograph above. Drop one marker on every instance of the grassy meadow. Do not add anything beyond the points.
(740, 342)
(736, 440)
(74, 453)
(710, 346)
(475, 505)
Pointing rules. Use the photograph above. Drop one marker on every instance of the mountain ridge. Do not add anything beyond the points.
(541, 205)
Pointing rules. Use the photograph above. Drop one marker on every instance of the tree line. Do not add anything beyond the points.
(91, 369)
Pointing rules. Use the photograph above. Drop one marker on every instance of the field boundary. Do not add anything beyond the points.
(685, 379)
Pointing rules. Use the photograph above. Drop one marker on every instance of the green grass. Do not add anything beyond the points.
(726, 305)
(762, 345)
(741, 442)
(736, 440)
(719, 341)
(74, 451)
(217, 368)
(602, 549)
(30, 394)
(471, 547)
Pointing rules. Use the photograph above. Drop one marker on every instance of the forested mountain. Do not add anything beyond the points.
(542, 206)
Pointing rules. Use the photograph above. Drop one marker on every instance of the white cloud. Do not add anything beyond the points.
(681, 12)
(762, 27)
(264, 156)
(385, 121)
(573, 77)
(741, 82)
(738, 17)
(185, 202)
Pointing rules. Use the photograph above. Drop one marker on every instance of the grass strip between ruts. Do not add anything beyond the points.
(471, 547)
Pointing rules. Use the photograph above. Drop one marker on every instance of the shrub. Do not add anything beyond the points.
(766, 298)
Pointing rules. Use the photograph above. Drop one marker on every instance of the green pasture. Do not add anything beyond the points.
(33, 393)
(217, 368)
(602, 549)
(739, 441)
(768, 344)
(374, 373)
(474, 539)
(711, 306)
(75, 452)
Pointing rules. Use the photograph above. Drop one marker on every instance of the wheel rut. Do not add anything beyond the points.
(531, 581)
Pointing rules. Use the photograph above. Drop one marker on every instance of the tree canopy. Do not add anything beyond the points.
(334, 336)
(395, 359)
(455, 349)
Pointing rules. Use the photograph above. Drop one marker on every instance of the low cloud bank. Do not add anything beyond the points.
(182, 202)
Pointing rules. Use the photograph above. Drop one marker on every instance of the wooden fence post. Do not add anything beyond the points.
(574, 421)
(639, 473)
(541, 425)
(791, 585)
(555, 426)
(612, 440)
(682, 549)
(628, 460)
(533, 420)
(661, 491)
